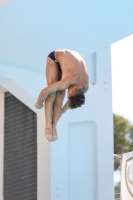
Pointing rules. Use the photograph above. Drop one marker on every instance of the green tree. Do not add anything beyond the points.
(123, 137)
(123, 140)
(117, 188)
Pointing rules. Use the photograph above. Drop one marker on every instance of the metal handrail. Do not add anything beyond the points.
(117, 195)
(120, 157)
(117, 156)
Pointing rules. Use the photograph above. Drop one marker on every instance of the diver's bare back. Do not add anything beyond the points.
(74, 73)
(73, 67)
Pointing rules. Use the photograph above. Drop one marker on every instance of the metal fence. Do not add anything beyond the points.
(117, 196)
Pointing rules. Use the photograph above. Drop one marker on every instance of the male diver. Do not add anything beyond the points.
(65, 70)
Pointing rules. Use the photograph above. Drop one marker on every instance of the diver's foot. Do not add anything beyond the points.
(48, 134)
(54, 135)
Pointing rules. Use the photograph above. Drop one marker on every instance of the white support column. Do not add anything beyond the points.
(43, 161)
(103, 116)
(1, 143)
(83, 154)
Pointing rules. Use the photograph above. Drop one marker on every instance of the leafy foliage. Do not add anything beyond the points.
(117, 188)
(123, 137)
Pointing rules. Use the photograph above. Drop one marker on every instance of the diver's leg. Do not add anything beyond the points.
(52, 77)
(57, 111)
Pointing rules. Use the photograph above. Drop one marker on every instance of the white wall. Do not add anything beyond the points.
(127, 176)
(43, 148)
(43, 161)
(82, 161)
(90, 127)
(1, 142)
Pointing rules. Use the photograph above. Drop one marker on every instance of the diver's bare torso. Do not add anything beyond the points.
(73, 66)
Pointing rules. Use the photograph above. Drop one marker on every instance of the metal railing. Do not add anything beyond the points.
(117, 196)
(117, 156)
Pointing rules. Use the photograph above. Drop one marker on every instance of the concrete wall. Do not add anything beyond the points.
(83, 154)
(1, 143)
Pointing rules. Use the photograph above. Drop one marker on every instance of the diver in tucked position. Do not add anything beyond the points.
(65, 69)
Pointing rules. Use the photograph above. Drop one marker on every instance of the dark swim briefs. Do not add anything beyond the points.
(51, 55)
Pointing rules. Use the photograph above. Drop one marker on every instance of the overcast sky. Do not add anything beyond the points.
(122, 77)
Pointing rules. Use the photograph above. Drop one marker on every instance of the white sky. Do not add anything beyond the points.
(122, 81)
(122, 77)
